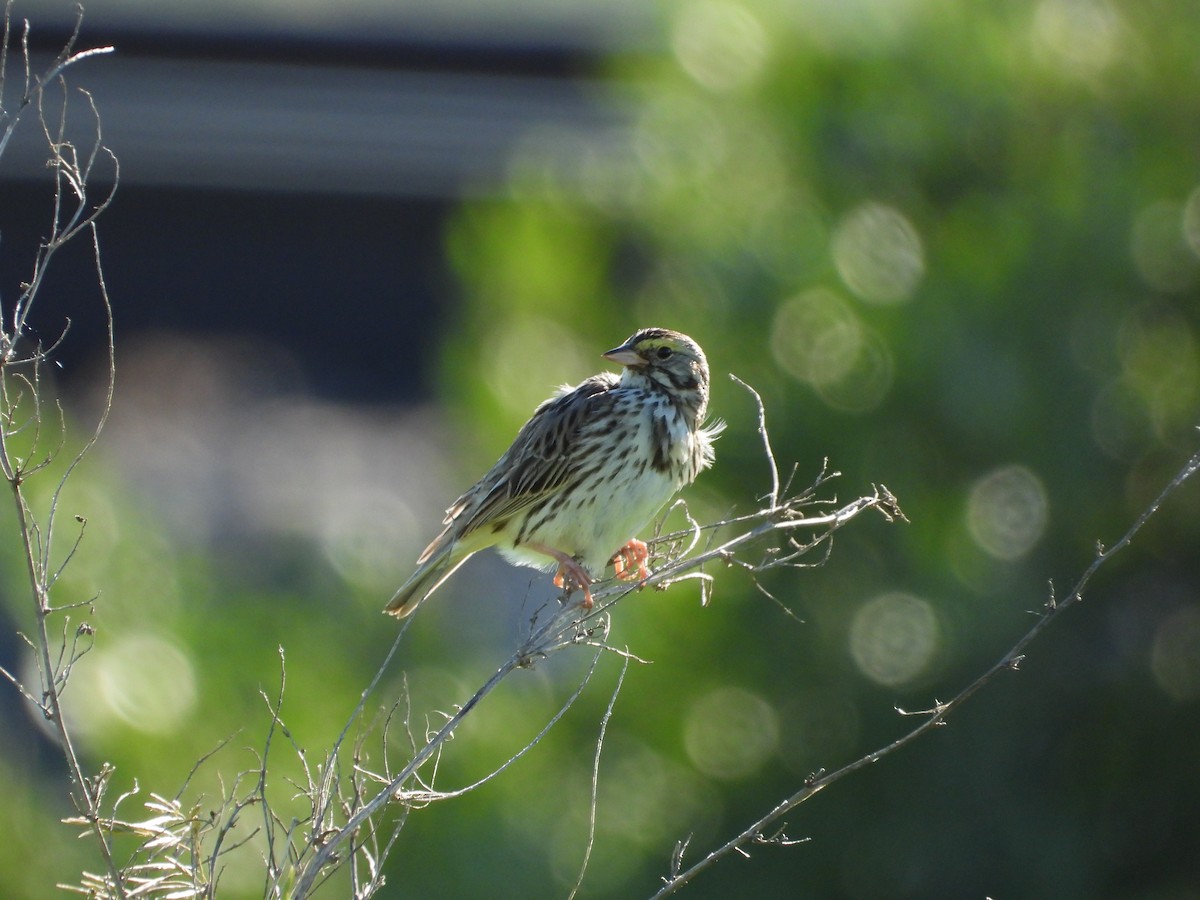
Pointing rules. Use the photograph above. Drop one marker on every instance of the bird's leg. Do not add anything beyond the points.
(633, 554)
(571, 576)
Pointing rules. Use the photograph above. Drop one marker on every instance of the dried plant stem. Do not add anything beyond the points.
(73, 215)
(935, 717)
(591, 838)
(573, 625)
(537, 644)
(85, 793)
(772, 530)
(36, 546)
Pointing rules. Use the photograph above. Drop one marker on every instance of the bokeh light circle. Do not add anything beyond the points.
(360, 537)
(1080, 37)
(148, 681)
(1158, 244)
(1160, 358)
(1175, 656)
(816, 337)
(893, 638)
(879, 254)
(867, 382)
(521, 379)
(721, 45)
(730, 732)
(1007, 512)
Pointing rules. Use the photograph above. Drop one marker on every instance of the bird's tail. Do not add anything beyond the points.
(428, 578)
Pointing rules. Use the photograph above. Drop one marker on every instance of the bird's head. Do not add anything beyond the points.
(668, 358)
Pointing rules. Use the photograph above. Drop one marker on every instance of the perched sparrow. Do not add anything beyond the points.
(588, 470)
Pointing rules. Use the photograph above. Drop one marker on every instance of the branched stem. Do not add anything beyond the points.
(73, 215)
(935, 716)
(678, 558)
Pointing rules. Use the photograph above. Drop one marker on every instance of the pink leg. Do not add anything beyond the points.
(571, 576)
(634, 554)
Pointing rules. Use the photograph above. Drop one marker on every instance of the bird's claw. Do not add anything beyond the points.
(630, 561)
(571, 577)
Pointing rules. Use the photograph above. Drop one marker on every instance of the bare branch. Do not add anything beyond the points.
(35, 85)
(538, 645)
(23, 407)
(936, 715)
(678, 559)
(429, 795)
(773, 497)
(591, 838)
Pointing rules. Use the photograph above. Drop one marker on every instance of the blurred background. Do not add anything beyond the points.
(955, 247)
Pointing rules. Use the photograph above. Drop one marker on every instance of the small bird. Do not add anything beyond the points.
(588, 470)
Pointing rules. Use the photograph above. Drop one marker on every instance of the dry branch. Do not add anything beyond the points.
(936, 715)
(25, 451)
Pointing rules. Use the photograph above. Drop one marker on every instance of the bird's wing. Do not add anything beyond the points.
(537, 464)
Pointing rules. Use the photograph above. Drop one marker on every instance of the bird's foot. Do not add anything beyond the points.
(571, 576)
(630, 561)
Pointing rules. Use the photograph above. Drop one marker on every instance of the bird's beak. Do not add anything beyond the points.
(625, 355)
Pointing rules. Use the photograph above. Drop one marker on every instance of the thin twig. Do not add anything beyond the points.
(35, 85)
(417, 797)
(36, 537)
(936, 716)
(773, 497)
(542, 642)
(591, 838)
(575, 625)
(327, 787)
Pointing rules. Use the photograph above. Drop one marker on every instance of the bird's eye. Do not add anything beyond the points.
(664, 353)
